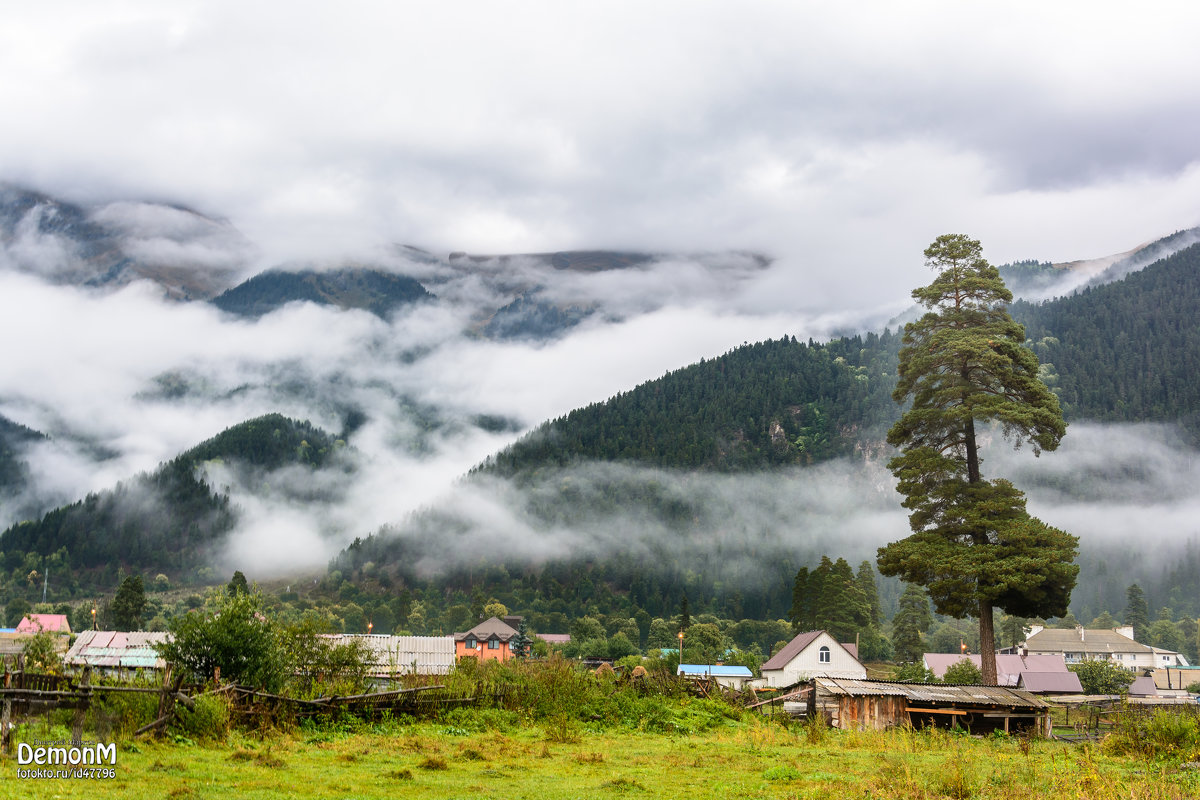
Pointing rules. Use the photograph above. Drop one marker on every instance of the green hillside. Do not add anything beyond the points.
(166, 521)
(762, 405)
(13, 437)
(1126, 351)
(366, 289)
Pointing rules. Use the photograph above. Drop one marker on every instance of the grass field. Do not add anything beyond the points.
(750, 758)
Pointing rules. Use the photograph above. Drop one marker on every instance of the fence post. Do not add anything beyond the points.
(6, 722)
(85, 702)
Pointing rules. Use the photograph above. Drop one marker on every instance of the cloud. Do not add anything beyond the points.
(841, 143)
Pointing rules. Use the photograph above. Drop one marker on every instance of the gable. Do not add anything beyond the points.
(806, 649)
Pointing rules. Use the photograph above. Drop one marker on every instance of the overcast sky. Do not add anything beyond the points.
(839, 138)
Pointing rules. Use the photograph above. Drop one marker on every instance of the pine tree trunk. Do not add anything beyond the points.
(987, 627)
(987, 645)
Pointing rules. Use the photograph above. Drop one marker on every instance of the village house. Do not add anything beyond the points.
(1080, 644)
(811, 655)
(116, 652)
(1041, 674)
(13, 640)
(732, 677)
(488, 641)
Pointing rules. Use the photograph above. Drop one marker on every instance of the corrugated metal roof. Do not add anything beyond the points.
(399, 655)
(931, 692)
(117, 649)
(1066, 682)
(716, 670)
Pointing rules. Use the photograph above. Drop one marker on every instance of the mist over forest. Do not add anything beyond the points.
(148, 329)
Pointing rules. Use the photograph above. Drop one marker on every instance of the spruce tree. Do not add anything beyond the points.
(128, 604)
(866, 584)
(800, 613)
(1137, 611)
(685, 617)
(912, 619)
(974, 546)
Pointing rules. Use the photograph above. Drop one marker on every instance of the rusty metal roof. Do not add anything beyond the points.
(931, 692)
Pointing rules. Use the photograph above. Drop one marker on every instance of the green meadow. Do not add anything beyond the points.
(751, 757)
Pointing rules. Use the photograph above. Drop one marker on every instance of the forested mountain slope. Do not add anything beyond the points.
(1125, 351)
(167, 521)
(13, 437)
(760, 405)
(368, 289)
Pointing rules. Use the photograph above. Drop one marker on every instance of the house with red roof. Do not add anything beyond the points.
(52, 623)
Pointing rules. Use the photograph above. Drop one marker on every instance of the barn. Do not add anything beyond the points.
(880, 705)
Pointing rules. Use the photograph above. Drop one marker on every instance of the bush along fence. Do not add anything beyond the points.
(27, 694)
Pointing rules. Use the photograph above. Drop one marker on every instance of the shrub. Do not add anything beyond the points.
(913, 671)
(41, 653)
(119, 714)
(208, 721)
(1102, 677)
(234, 634)
(964, 673)
(1166, 733)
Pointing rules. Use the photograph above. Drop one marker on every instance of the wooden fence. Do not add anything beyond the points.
(25, 694)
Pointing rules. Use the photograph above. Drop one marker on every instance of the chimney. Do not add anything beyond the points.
(1082, 633)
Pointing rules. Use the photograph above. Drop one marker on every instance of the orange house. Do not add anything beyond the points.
(487, 640)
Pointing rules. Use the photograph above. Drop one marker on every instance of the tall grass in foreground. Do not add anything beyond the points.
(1171, 734)
(558, 693)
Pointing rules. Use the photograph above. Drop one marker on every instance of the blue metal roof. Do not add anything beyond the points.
(716, 670)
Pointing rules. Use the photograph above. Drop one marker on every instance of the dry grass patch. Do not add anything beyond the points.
(434, 763)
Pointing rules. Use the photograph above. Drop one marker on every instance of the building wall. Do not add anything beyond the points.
(482, 651)
(1126, 660)
(872, 712)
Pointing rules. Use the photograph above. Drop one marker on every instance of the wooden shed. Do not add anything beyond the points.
(885, 704)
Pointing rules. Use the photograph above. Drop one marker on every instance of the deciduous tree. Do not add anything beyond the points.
(973, 546)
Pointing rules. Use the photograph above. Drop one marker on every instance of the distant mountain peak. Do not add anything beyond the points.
(348, 287)
(190, 255)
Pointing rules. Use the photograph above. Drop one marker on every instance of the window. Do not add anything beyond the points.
(824, 655)
(470, 643)
(493, 644)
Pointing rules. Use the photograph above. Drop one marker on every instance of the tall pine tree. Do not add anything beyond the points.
(974, 546)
